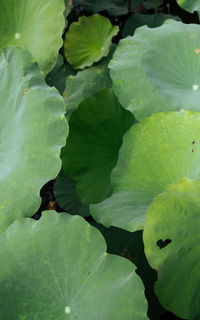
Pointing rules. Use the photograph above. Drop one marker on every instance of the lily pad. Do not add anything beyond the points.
(57, 77)
(87, 82)
(33, 130)
(156, 152)
(171, 237)
(66, 196)
(158, 69)
(57, 268)
(151, 20)
(88, 40)
(91, 151)
(28, 24)
(189, 5)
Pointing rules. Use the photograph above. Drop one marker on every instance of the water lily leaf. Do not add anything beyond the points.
(189, 5)
(156, 152)
(57, 268)
(33, 130)
(28, 24)
(171, 237)
(87, 82)
(57, 77)
(158, 69)
(88, 40)
(151, 20)
(114, 7)
(66, 196)
(95, 136)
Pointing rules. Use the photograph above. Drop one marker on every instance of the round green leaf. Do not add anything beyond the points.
(158, 151)
(114, 7)
(151, 20)
(28, 24)
(189, 5)
(33, 130)
(171, 237)
(88, 40)
(57, 77)
(158, 69)
(91, 151)
(87, 82)
(57, 269)
(66, 196)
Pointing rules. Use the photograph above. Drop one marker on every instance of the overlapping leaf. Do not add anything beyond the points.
(28, 24)
(87, 82)
(33, 130)
(189, 5)
(57, 268)
(66, 196)
(91, 151)
(88, 40)
(151, 20)
(57, 77)
(158, 69)
(172, 246)
(156, 152)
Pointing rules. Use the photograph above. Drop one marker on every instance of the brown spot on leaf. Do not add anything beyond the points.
(193, 142)
(197, 50)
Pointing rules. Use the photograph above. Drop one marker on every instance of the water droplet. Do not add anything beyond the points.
(67, 309)
(195, 87)
(17, 35)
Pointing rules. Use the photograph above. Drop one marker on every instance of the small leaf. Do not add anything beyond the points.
(88, 40)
